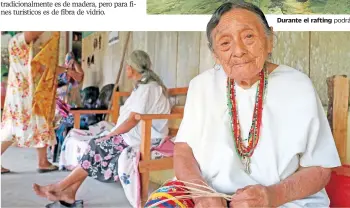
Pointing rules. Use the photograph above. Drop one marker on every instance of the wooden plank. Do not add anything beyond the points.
(144, 187)
(165, 57)
(338, 92)
(187, 59)
(63, 49)
(206, 60)
(145, 151)
(111, 60)
(154, 165)
(85, 50)
(115, 108)
(172, 92)
(125, 85)
(146, 125)
(145, 41)
(139, 41)
(292, 49)
(149, 117)
(101, 74)
(117, 82)
(329, 56)
(173, 131)
(150, 46)
(95, 73)
(178, 91)
(76, 120)
(123, 94)
(178, 109)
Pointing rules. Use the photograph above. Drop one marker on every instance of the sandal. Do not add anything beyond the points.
(48, 169)
(62, 204)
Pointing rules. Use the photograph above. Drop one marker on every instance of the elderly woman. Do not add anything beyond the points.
(101, 157)
(68, 96)
(68, 83)
(252, 129)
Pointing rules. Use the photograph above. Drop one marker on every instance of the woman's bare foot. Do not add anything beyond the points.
(52, 193)
(48, 191)
(4, 170)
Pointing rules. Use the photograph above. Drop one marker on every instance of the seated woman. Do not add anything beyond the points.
(68, 95)
(252, 130)
(101, 156)
(68, 89)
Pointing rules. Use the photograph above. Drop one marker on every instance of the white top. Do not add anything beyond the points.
(295, 131)
(146, 99)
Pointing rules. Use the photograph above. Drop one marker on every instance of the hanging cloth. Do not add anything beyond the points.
(43, 68)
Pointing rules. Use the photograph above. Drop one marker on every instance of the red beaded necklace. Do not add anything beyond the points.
(245, 152)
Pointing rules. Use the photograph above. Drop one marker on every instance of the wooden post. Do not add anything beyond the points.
(338, 98)
(116, 85)
(115, 106)
(76, 120)
(145, 156)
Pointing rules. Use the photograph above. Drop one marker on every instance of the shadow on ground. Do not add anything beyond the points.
(16, 188)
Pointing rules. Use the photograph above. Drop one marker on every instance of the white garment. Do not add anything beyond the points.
(19, 124)
(76, 142)
(295, 131)
(146, 99)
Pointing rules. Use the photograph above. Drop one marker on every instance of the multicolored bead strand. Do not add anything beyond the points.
(245, 152)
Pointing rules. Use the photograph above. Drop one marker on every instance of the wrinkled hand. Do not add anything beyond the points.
(75, 75)
(210, 202)
(252, 196)
(71, 64)
(104, 138)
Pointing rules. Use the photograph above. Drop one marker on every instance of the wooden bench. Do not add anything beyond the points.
(146, 164)
(114, 111)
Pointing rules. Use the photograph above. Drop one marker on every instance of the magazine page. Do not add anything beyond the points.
(175, 103)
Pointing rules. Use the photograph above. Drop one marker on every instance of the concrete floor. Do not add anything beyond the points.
(16, 187)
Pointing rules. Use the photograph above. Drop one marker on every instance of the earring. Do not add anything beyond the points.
(217, 66)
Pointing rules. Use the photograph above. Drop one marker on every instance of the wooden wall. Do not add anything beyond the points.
(179, 56)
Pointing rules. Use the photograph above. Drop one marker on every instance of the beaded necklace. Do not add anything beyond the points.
(245, 152)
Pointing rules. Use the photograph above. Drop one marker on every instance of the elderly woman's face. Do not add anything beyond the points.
(240, 44)
(129, 72)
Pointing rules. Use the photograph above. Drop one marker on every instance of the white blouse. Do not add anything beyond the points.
(295, 131)
(146, 99)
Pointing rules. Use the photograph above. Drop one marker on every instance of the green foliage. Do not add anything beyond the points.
(267, 6)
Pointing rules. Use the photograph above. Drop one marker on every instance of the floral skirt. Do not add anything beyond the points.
(101, 158)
